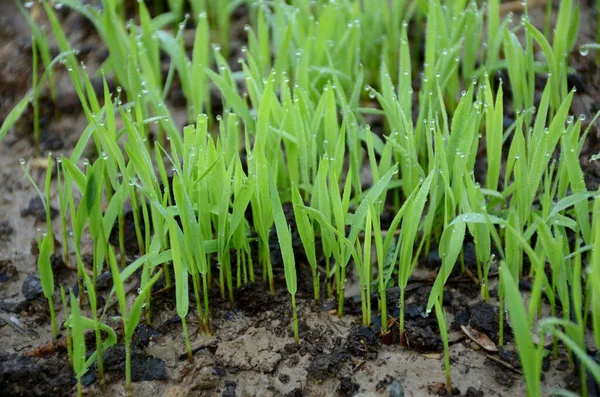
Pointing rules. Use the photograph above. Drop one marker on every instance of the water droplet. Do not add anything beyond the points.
(584, 50)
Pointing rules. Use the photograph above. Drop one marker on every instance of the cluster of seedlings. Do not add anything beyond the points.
(293, 129)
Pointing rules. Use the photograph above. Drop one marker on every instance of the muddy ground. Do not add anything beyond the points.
(251, 351)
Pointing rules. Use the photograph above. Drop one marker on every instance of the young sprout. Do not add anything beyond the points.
(46, 244)
(531, 356)
(441, 319)
(47, 278)
(78, 342)
(410, 228)
(131, 316)
(36, 93)
(284, 235)
(179, 252)
(67, 331)
(78, 325)
(307, 235)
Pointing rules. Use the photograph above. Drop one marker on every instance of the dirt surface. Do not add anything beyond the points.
(252, 351)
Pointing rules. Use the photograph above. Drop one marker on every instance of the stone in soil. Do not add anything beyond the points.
(32, 287)
(395, 389)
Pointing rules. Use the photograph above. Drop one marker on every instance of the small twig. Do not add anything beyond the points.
(162, 291)
(184, 356)
(472, 276)
(16, 326)
(504, 364)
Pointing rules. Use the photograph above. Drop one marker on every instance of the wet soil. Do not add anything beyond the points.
(251, 351)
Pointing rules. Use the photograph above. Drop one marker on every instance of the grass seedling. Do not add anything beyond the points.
(131, 316)
(78, 325)
(530, 355)
(78, 343)
(46, 277)
(62, 181)
(441, 318)
(68, 333)
(410, 227)
(196, 257)
(46, 244)
(181, 278)
(307, 235)
(284, 235)
(594, 278)
(36, 94)
(367, 270)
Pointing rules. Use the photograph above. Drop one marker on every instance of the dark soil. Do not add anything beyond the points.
(143, 366)
(422, 332)
(363, 342)
(484, 317)
(27, 376)
(36, 209)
